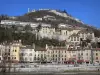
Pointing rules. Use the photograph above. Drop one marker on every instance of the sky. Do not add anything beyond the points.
(87, 11)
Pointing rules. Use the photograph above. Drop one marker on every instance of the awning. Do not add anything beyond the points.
(79, 61)
(86, 60)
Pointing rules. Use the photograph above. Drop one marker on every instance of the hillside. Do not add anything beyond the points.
(53, 17)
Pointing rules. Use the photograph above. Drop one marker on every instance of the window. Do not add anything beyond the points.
(74, 38)
(8, 53)
(56, 59)
(56, 55)
(14, 57)
(56, 51)
(30, 59)
(87, 54)
(96, 54)
(71, 38)
(62, 55)
(59, 51)
(8, 58)
(65, 59)
(5, 53)
(26, 59)
(77, 38)
(34, 58)
(22, 54)
(15, 50)
(48, 52)
(9, 50)
(53, 55)
(53, 51)
(65, 55)
(96, 58)
(30, 54)
(65, 51)
(62, 59)
(81, 53)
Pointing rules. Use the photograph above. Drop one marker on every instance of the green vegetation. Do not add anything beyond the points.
(28, 38)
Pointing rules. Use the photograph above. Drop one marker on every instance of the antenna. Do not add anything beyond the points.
(28, 9)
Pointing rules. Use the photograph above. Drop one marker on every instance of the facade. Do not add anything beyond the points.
(27, 54)
(96, 55)
(2, 48)
(66, 55)
(11, 22)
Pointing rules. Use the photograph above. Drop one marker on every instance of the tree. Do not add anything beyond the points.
(27, 28)
(39, 27)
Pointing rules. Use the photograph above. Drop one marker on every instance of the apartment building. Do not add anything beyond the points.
(96, 55)
(14, 51)
(69, 55)
(27, 54)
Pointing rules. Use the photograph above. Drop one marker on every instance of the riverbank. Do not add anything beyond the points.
(45, 73)
(54, 68)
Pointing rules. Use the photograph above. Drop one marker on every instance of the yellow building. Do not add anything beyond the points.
(14, 52)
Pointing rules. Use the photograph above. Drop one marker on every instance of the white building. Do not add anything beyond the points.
(27, 54)
(11, 22)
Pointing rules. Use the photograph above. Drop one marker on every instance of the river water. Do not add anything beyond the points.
(67, 73)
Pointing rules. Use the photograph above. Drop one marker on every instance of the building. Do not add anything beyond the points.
(2, 52)
(46, 31)
(27, 54)
(68, 55)
(11, 22)
(40, 54)
(96, 55)
(14, 51)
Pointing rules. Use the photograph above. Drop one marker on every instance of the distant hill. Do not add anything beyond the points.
(53, 17)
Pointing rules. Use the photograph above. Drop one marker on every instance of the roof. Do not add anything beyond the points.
(96, 49)
(74, 35)
(26, 47)
(69, 29)
(85, 31)
(38, 48)
(57, 48)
